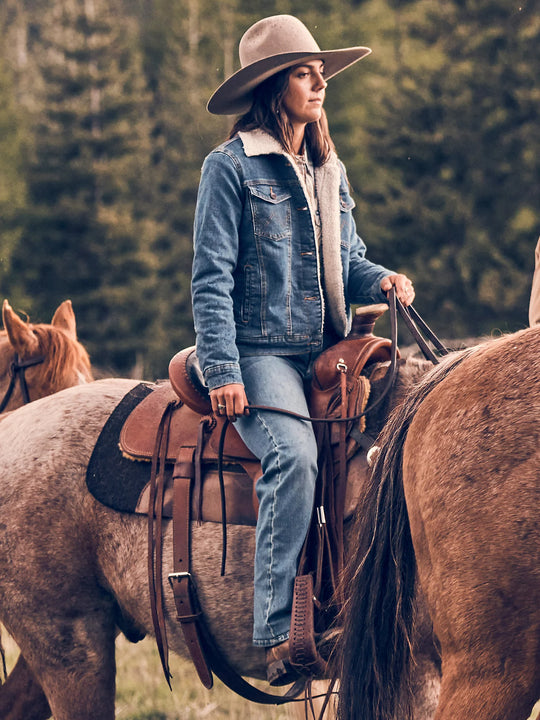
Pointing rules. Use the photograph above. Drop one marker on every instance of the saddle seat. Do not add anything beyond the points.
(194, 432)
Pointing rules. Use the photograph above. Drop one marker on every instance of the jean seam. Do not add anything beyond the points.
(270, 597)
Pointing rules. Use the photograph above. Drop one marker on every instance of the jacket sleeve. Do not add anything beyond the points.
(216, 236)
(364, 276)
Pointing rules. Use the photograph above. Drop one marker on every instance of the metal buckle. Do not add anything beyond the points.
(178, 576)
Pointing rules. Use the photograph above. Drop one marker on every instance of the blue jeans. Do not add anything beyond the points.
(288, 452)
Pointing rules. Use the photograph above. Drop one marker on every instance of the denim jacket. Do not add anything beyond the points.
(258, 271)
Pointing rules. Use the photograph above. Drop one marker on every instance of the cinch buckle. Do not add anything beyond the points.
(178, 576)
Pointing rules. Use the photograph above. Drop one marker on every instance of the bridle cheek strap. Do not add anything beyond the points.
(16, 370)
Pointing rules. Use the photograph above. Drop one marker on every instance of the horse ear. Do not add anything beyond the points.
(20, 335)
(64, 318)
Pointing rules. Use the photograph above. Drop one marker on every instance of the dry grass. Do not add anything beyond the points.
(143, 694)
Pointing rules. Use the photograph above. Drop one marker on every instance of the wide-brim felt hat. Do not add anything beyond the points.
(270, 45)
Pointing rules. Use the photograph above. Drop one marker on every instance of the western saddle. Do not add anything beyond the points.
(213, 480)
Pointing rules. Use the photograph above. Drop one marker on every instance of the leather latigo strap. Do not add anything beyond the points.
(188, 612)
(181, 581)
(155, 537)
(205, 654)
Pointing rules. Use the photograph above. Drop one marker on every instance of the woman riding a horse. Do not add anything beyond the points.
(277, 262)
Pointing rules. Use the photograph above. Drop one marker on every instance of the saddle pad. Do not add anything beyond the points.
(114, 480)
(122, 484)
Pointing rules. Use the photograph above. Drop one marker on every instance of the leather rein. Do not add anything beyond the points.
(17, 372)
(416, 326)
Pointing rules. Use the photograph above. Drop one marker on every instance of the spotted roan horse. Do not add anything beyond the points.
(73, 573)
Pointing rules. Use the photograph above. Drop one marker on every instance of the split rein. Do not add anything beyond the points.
(416, 326)
(418, 329)
(16, 371)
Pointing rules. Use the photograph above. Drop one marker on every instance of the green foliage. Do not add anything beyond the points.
(88, 227)
(455, 192)
(12, 180)
(103, 130)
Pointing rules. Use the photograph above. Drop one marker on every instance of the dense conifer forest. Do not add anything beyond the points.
(103, 130)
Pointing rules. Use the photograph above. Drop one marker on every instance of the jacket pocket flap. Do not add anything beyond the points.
(269, 193)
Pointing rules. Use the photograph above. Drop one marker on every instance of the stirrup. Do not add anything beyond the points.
(282, 672)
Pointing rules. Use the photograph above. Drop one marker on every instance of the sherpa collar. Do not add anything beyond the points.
(327, 180)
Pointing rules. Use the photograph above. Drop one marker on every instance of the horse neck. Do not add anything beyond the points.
(359, 490)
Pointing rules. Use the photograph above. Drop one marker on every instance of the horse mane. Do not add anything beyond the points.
(64, 356)
(382, 568)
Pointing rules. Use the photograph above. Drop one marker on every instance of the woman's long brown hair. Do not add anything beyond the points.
(267, 112)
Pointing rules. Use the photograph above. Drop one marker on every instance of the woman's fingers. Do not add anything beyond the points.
(229, 400)
(404, 287)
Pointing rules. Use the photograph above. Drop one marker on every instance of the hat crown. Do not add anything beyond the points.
(275, 35)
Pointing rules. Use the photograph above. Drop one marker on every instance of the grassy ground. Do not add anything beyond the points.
(143, 694)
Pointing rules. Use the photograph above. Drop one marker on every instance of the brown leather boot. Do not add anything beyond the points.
(279, 670)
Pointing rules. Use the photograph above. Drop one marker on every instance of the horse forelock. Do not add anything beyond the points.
(66, 360)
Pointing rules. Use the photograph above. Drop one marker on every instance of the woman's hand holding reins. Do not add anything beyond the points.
(229, 400)
(404, 287)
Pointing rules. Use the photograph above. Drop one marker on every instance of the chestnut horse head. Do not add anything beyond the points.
(39, 359)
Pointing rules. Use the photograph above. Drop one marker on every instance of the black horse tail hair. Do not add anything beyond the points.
(374, 652)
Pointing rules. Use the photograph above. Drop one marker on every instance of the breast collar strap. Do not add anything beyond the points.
(16, 370)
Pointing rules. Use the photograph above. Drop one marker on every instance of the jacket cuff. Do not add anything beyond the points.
(375, 291)
(225, 374)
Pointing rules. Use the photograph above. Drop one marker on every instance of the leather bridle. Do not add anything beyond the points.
(16, 371)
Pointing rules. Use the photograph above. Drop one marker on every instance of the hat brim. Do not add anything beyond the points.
(233, 97)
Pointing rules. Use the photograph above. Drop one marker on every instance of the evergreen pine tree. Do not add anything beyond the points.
(87, 235)
(456, 178)
(12, 181)
(185, 41)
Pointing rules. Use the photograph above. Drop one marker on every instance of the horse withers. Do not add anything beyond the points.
(453, 520)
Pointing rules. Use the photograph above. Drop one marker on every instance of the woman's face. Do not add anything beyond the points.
(304, 97)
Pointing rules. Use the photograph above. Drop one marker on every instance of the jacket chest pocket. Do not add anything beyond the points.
(270, 211)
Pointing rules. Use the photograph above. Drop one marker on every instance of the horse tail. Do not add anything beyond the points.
(375, 648)
(3, 663)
